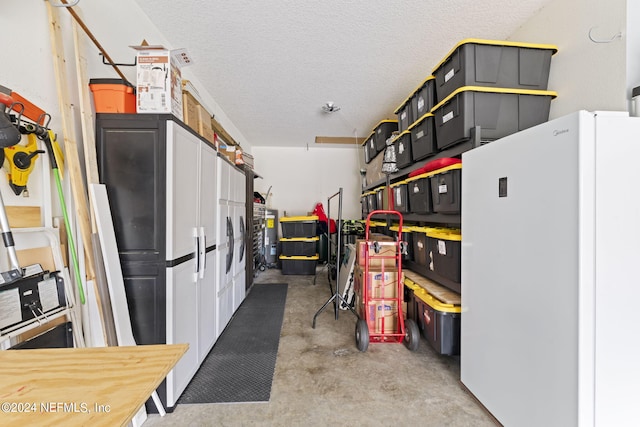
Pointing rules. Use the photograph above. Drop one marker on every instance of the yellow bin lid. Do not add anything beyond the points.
(299, 218)
(551, 93)
(397, 110)
(552, 47)
(301, 258)
(299, 239)
(435, 303)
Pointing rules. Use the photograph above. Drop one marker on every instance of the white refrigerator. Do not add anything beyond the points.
(550, 283)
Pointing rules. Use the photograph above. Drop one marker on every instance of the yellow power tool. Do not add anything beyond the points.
(21, 159)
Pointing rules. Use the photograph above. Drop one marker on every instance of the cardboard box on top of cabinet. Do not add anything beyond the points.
(159, 79)
(190, 110)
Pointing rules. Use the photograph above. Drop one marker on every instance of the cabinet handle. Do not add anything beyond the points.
(202, 252)
(197, 253)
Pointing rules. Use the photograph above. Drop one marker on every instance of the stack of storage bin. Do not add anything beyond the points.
(498, 86)
(299, 245)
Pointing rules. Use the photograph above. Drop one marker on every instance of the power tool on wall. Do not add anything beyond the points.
(20, 158)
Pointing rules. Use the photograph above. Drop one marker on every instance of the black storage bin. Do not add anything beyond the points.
(444, 252)
(423, 141)
(405, 114)
(407, 238)
(424, 98)
(419, 190)
(299, 226)
(364, 202)
(498, 113)
(402, 145)
(372, 201)
(400, 197)
(419, 247)
(299, 265)
(439, 323)
(370, 150)
(299, 246)
(410, 300)
(493, 63)
(383, 131)
(445, 189)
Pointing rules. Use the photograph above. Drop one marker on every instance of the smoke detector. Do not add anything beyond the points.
(329, 107)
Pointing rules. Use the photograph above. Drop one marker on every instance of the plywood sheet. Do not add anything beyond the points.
(443, 294)
(82, 386)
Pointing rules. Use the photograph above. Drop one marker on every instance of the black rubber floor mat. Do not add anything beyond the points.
(240, 366)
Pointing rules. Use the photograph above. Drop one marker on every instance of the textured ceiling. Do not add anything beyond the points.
(272, 65)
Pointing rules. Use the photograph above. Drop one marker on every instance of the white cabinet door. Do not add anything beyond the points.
(239, 290)
(182, 326)
(208, 193)
(207, 321)
(224, 173)
(182, 190)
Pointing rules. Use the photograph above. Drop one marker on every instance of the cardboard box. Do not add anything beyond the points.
(204, 120)
(382, 317)
(158, 81)
(387, 249)
(379, 284)
(208, 134)
(190, 110)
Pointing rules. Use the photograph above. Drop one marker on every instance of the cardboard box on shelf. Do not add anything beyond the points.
(204, 121)
(159, 80)
(190, 110)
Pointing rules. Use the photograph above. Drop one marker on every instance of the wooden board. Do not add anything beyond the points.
(24, 216)
(71, 155)
(339, 140)
(42, 256)
(82, 386)
(441, 293)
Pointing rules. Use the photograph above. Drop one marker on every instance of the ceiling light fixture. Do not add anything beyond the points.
(329, 107)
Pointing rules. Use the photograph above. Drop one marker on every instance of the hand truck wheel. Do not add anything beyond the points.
(362, 335)
(411, 334)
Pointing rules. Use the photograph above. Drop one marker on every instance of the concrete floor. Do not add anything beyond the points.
(321, 379)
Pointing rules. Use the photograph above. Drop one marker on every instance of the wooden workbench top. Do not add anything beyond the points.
(103, 386)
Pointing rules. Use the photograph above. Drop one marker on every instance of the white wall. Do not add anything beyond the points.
(300, 177)
(585, 74)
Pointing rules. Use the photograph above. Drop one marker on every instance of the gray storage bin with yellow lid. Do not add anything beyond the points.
(383, 131)
(424, 99)
(497, 111)
(439, 322)
(299, 246)
(494, 63)
(446, 189)
(405, 114)
(444, 253)
(299, 265)
(423, 140)
(369, 148)
(400, 196)
(299, 226)
(419, 193)
(402, 144)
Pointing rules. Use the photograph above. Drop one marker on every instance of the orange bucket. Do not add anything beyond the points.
(113, 96)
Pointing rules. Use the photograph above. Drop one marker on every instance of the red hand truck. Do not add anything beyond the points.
(381, 318)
